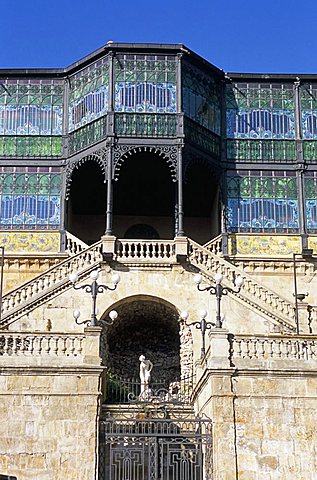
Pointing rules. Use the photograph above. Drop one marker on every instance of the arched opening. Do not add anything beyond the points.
(86, 207)
(147, 326)
(144, 194)
(201, 203)
(140, 230)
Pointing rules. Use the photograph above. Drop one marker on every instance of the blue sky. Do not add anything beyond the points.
(246, 36)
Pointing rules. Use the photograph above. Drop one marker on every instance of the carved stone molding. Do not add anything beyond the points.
(122, 152)
(99, 156)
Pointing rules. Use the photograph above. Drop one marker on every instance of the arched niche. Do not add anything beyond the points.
(144, 193)
(86, 205)
(149, 326)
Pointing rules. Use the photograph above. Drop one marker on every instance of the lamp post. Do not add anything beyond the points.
(202, 325)
(94, 288)
(306, 253)
(219, 290)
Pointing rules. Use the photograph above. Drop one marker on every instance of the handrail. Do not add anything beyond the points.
(134, 250)
(40, 345)
(255, 294)
(273, 348)
(74, 245)
(35, 291)
(214, 245)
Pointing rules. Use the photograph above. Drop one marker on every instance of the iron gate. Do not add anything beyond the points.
(155, 449)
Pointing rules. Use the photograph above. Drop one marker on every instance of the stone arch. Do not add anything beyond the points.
(151, 326)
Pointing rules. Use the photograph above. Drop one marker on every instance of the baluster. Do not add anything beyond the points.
(72, 345)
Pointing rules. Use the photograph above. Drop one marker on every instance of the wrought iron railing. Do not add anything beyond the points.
(145, 124)
(30, 146)
(261, 150)
(87, 135)
(120, 390)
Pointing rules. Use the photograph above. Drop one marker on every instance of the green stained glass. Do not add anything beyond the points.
(30, 200)
(88, 94)
(32, 108)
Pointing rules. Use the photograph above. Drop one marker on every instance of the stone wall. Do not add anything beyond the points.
(49, 406)
(263, 409)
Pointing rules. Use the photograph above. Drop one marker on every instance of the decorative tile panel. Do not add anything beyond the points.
(264, 245)
(30, 242)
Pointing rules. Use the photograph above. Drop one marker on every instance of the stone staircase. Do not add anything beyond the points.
(207, 259)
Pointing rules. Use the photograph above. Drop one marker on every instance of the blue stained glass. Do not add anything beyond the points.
(309, 124)
(311, 214)
(146, 97)
(30, 210)
(262, 214)
(88, 107)
(260, 123)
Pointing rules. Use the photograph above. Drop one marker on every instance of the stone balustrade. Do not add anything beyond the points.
(145, 250)
(215, 245)
(50, 349)
(53, 281)
(256, 295)
(74, 245)
(274, 348)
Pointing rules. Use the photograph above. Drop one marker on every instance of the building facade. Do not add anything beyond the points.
(147, 161)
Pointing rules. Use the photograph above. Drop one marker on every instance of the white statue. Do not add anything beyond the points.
(145, 375)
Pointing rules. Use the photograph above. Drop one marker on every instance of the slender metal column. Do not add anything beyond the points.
(110, 135)
(300, 166)
(180, 213)
(109, 230)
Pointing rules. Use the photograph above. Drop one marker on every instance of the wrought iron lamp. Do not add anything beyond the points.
(94, 288)
(202, 325)
(219, 290)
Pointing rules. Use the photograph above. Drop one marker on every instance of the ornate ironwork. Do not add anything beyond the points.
(142, 124)
(87, 135)
(202, 138)
(99, 156)
(161, 392)
(121, 153)
(155, 449)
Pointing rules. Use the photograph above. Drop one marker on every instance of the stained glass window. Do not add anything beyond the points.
(30, 201)
(309, 111)
(88, 94)
(260, 111)
(31, 107)
(145, 84)
(201, 99)
(310, 193)
(262, 202)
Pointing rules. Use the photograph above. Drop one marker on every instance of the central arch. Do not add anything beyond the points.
(144, 194)
(150, 326)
